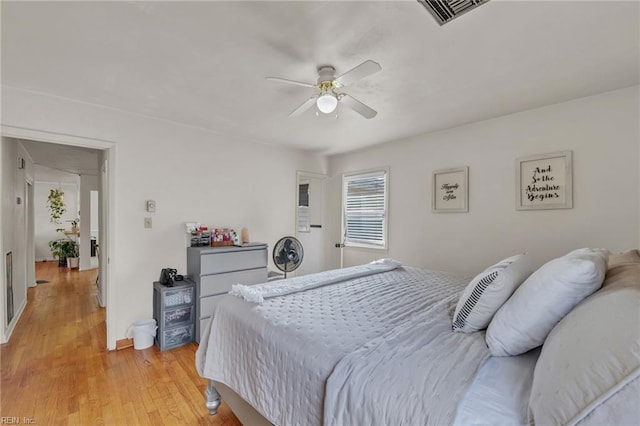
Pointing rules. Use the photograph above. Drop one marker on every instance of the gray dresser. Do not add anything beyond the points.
(216, 269)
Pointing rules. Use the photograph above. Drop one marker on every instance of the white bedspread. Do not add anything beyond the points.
(413, 375)
(279, 355)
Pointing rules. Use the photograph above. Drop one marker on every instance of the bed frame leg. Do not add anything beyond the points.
(212, 398)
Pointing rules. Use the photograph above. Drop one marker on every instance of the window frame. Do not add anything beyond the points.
(346, 177)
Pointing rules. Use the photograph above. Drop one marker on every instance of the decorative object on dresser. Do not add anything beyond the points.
(199, 235)
(245, 236)
(174, 312)
(215, 270)
(222, 237)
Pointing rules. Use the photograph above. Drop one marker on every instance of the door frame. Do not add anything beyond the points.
(109, 149)
(30, 222)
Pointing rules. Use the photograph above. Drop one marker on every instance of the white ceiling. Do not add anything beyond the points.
(70, 159)
(204, 63)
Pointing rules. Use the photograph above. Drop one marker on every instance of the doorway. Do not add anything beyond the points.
(310, 221)
(106, 178)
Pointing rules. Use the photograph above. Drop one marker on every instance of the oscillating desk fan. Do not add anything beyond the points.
(288, 254)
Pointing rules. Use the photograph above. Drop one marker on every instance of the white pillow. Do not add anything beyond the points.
(488, 291)
(589, 367)
(525, 320)
(589, 252)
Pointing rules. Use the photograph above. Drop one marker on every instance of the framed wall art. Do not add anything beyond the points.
(450, 190)
(544, 181)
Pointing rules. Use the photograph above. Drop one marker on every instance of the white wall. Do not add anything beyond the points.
(14, 238)
(193, 174)
(603, 133)
(47, 179)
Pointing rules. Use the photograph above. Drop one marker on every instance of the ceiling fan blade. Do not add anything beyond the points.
(358, 106)
(361, 71)
(305, 106)
(297, 83)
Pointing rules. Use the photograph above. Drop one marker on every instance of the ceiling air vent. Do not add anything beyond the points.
(446, 10)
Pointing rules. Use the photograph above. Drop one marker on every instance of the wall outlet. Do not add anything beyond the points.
(151, 206)
(147, 223)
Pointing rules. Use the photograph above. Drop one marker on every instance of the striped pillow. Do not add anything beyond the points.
(488, 291)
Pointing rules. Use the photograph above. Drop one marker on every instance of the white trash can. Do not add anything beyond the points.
(143, 333)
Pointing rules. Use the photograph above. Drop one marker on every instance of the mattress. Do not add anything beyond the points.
(279, 355)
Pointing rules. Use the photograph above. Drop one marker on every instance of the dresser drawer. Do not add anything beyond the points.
(216, 263)
(221, 283)
(178, 316)
(175, 297)
(174, 337)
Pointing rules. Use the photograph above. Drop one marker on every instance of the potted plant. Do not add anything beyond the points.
(65, 249)
(56, 206)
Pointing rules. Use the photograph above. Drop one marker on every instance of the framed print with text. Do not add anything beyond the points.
(544, 181)
(450, 190)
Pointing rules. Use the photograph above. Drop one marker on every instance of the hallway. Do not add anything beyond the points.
(56, 370)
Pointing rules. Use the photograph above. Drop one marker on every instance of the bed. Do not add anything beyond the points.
(374, 344)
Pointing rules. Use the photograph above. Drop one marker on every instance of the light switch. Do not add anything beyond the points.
(147, 223)
(151, 206)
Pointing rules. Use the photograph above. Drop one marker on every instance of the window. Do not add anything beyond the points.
(365, 209)
(303, 208)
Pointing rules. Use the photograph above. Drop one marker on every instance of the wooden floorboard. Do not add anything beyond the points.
(56, 369)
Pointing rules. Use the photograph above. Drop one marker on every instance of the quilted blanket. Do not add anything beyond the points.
(301, 359)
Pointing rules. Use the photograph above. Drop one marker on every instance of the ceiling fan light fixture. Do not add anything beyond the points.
(327, 103)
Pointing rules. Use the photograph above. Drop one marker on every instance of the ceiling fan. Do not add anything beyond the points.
(330, 89)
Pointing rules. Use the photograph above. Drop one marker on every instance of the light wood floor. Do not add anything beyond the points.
(56, 370)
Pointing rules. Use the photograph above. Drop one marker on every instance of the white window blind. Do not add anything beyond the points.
(365, 205)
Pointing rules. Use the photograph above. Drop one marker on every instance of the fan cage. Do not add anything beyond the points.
(287, 246)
